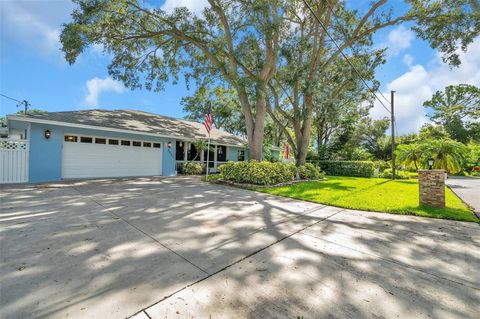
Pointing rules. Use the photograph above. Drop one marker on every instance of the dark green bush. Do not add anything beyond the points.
(258, 173)
(191, 168)
(347, 168)
(398, 174)
(381, 165)
(310, 171)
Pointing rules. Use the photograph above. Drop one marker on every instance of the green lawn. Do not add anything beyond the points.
(373, 194)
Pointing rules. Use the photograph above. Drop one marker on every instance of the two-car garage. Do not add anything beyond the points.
(96, 156)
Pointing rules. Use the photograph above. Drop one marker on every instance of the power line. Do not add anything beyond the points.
(25, 103)
(343, 54)
(11, 98)
(345, 35)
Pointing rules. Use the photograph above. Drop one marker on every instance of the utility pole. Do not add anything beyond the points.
(25, 106)
(392, 112)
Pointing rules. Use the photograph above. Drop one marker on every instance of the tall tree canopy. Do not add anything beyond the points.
(227, 112)
(457, 109)
(248, 43)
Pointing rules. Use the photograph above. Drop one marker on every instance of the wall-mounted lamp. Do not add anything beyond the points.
(169, 144)
(47, 134)
(430, 163)
(180, 144)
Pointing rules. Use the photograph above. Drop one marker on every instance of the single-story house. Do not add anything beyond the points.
(111, 143)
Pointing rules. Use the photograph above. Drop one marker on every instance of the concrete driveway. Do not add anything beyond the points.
(468, 189)
(177, 247)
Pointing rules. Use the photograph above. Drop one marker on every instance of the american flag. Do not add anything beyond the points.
(208, 120)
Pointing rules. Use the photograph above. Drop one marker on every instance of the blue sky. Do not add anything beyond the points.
(32, 67)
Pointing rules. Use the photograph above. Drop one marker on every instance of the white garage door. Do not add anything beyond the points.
(90, 157)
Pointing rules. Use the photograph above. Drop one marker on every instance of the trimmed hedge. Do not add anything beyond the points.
(258, 173)
(309, 171)
(347, 168)
(398, 174)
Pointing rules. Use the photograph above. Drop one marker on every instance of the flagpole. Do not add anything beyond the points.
(208, 155)
(208, 126)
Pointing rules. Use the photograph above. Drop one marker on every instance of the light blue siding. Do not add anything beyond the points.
(46, 155)
(276, 154)
(232, 153)
(45, 162)
(168, 161)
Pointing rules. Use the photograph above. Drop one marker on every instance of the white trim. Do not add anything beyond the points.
(103, 128)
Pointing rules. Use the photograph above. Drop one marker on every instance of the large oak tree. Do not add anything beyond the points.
(239, 43)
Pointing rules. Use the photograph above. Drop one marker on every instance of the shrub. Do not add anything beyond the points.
(258, 173)
(191, 168)
(398, 174)
(347, 168)
(381, 165)
(310, 171)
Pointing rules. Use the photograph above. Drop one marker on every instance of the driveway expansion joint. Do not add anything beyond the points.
(242, 259)
(139, 230)
(394, 262)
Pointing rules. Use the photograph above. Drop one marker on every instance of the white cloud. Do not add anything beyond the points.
(97, 86)
(419, 83)
(408, 60)
(36, 24)
(195, 6)
(398, 40)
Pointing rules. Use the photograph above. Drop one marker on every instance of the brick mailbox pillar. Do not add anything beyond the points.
(432, 187)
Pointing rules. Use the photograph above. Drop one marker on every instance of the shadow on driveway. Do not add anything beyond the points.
(178, 247)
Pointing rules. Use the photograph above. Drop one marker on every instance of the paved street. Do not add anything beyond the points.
(178, 247)
(468, 189)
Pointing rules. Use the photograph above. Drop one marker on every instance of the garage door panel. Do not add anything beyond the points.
(84, 160)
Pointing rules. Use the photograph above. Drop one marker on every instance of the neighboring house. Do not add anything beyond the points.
(118, 143)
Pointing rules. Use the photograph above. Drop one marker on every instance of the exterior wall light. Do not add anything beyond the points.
(47, 134)
(430, 163)
(169, 144)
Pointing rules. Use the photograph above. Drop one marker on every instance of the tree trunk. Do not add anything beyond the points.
(303, 139)
(256, 135)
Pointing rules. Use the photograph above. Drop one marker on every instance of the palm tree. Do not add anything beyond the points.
(448, 154)
(408, 154)
(200, 146)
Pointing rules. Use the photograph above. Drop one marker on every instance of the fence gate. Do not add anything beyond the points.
(13, 161)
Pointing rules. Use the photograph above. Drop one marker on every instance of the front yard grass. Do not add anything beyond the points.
(373, 194)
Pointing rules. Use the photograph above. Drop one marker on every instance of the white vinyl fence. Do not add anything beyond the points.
(13, 161)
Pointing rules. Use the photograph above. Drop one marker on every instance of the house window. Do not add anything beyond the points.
(71, 138)
(147, 144)
(156, 145)
(221, 153)
(125, 143)
(180, 150)
(136, 143)
(113, 142)
(210, 154)
(241, 155)
(192, 153)
(86, 139)
(100, 140)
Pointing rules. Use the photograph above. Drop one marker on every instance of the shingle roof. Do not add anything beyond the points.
(139, 121)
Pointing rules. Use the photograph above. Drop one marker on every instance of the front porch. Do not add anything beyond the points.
(218, 154)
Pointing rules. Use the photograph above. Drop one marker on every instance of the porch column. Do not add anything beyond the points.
(185, 151)
(215, 157)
